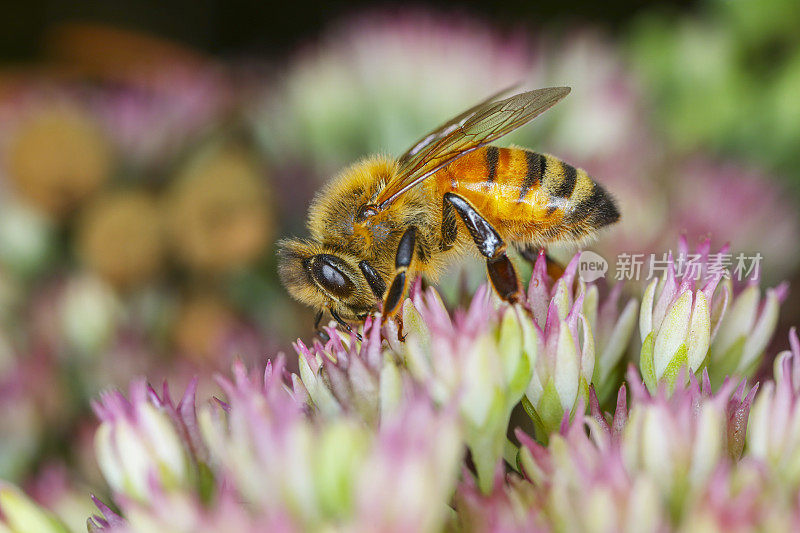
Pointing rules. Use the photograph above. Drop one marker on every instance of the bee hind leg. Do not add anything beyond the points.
(554, 268)
(530, 253)
(402, 261)
(501, 270)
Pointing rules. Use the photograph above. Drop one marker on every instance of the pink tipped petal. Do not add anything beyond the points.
(596, 413)
(683, 245)
(711, 285)
(665, 292)
(575, 311)
(704, 248)
(620, 411)
(782, 291)
(553, 319)
(636, 383)
(569, 272)
(538, 291)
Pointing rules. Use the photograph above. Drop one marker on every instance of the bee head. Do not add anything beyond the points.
(323, 278)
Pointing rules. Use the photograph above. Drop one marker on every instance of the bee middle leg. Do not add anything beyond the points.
(500, 268)
(402, 261)
(323, 336)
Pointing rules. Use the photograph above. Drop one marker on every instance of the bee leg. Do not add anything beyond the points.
(529, 253)
(344, 324)
(449, 226)
(500, 268)
(402, 260)
(321, 333)
(554, 268)
(374, 280)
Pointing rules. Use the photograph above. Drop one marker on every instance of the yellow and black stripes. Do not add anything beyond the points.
(492, 159)
(527, 197)
(596, 208)
(569, 175)
(587, 202)
(535, 166)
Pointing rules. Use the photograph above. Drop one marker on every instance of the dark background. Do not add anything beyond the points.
(258, 27)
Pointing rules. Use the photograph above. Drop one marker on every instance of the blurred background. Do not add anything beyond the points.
(151, 154)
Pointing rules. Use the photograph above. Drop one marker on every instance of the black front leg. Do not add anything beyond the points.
(374, 280)
(322, 334)
(402, 261)
(344, 324)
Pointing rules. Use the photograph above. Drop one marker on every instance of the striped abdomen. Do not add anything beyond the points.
(529, 197)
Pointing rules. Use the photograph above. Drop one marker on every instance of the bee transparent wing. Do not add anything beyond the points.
(476, 127)
(446, 128)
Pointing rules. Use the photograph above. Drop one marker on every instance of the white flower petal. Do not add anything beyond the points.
(699, 332)
(587, 351)
(762, 332)
(561, 299)
(646, 314)
(708, 443)
(618, 340)
(758, 422)
(165, 444)
(672, 333)
(106, 458)
(566, 375)
(738, 320)
(590, 306)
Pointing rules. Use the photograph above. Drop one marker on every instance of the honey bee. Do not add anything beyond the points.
(383, 221)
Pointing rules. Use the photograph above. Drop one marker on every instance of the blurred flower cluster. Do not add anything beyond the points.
(414, 427)
(726, 79)
(134, 216)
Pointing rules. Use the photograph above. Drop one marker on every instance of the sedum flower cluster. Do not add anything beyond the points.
(493, 417)
(138, 202)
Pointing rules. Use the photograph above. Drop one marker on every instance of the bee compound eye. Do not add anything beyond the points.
(327, 272)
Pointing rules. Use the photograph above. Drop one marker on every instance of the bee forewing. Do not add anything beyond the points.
(476, 127)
